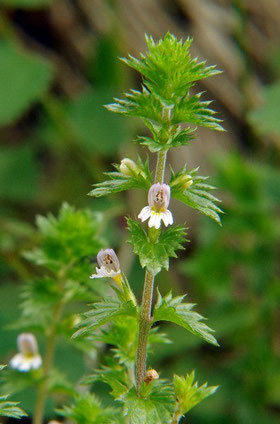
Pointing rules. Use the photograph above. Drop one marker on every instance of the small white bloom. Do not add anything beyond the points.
(28, 357)
(109, 265)
(158, 199)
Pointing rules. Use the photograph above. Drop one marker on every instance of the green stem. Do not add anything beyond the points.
(47, 365)
(161, 160)
(144, 327)
(146, 306)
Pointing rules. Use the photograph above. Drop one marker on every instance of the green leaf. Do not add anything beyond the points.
(173, 309)
(103, 312)
(30, 76)
(18, 164)
(121, 182)
(87, 409)
(94, 128)
(266, 118)
(188, 393)
(68, 239)
(155, 256)
(145, 105)
(168, 68)
(157, 407)
(113, 374)
(9, 408)
(164, 139)
(196, 196)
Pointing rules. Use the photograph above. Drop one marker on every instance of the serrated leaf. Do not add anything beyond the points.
(168, 66)
(155, 256)
(145, 105)
(173, 309)
(103, 312)
(196, 196)
(120, 182)
(9, 408)
(69, 238)
(188, 393)
(113, 374)
(175, 138)
(87, 409)
(28, 84)
(156, 408)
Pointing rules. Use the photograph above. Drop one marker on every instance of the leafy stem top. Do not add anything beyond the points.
(165, 100)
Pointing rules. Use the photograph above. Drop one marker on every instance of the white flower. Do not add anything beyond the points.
(158, 198)
(109, 265)
(28, 357)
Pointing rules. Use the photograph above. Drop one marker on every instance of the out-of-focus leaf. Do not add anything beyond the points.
(266, 118)
(17, 165)
(88, 410)
(23, 79)
(98, 130)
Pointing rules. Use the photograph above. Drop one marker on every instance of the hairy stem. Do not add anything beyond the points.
(147, 298)
(47, 365)
(161, 160)
(144, 327)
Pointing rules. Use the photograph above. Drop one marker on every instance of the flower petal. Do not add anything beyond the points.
(155, 220)
(145, 213)
(167, 218)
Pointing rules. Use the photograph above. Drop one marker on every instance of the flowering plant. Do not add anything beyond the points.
(165, 105)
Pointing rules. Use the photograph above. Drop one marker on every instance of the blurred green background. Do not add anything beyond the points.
(58, 67)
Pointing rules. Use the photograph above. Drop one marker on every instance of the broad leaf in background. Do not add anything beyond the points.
(266, 118)
(173, 309)
(188, 393)
(157, 407)
(155, 256)
(18, 164)
(96, 129)
(24, 78)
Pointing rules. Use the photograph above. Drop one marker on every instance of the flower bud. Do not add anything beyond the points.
(184, 181)
(127, 167)
(150, 376)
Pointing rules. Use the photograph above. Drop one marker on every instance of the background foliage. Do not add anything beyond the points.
(58, 67)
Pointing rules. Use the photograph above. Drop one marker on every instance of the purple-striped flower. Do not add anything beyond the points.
(158, 199)
(109, 265)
